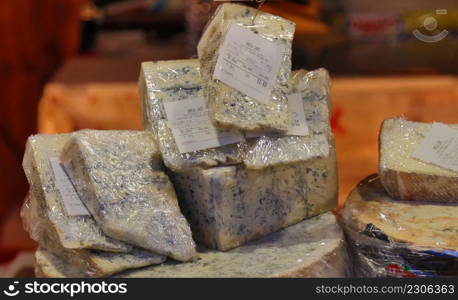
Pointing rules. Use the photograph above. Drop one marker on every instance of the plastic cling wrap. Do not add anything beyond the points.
(93, 263)
(228, 206)
(73, 232)
(313, 90)
(399, 239)
(229, 107)
(171, 81)
(119, 177)
(312, 248)
(407, 178)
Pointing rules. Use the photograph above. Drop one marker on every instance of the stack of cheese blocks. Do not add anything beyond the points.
(403, 222)
(227, 180)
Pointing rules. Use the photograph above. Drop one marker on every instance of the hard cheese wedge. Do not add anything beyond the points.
(228, 107)
(312, 248)
(73, 232)
(93, 263)
(313, 89)
(171, 81)
(228, 206)
(405, 177)
(405, 239)
(118, 175)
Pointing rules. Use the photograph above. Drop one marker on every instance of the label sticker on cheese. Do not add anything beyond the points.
(192, 129)
(249, 63)
(439, 147)
(72, 201)
(298, 123)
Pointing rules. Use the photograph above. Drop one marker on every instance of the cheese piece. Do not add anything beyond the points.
(73, 232)
(393, 238)
(170, 81)
(228, 206)
(94, 263)
(118, 176)
(269, 150)
(47, 265)
(312, 248)
(405, 177)
(229, 107)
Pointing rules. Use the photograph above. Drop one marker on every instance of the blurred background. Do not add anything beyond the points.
(72, 64)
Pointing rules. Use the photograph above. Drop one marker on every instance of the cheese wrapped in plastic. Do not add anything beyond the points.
(93, 263)
(312, 248)
(390, 238)
(406, 177)
(166, 82)
(228, 106)
(119, 176)
(228, 206)
(309, 95)
(72, 231)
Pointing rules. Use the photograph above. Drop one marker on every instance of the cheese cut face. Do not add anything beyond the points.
(267, 150)
(312, 248)
(228, 206)
(93, 263)
(406, 178)
(73, 232)
(118, 176)
(229, 107)
(390, 236)
(171, 81)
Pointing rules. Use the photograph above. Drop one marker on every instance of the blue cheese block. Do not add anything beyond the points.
(400, 239)
(228, 206)
(170, 81)
(89, 263)
(229, 107)
(119, 177)
(93, 263)
(73, 232)
(312, 248)
(268, 150)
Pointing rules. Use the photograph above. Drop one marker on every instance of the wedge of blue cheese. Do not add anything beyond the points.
(312, 248)
(406, 177)
(172, 81)
(228, 206)
(228, 106)
(93, 263)
(269, 150)
(72, 231)
(119, 176)
(396, 238)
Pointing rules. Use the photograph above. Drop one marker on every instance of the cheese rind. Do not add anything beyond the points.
(171, 81)
(119, 176)
(312, 248)
(73, 232)
(228, 206)
(267, 150)
(388, 236)
(229, 107)
(405, 177)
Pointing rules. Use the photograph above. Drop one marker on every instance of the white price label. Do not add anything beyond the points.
(298, 122)
(192, 129)
(72, 201)
(439, 147)
(249, 63)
